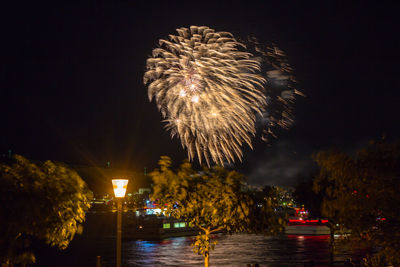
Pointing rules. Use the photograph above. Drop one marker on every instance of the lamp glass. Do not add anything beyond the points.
(119, 186)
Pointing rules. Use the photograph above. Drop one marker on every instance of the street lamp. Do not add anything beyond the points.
(119, 186)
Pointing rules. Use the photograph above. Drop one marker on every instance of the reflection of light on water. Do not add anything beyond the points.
(179, 241)
(146, 246)
(232, 250)
(300, 241)
(168, 252)
(309, 237)
(165, 242)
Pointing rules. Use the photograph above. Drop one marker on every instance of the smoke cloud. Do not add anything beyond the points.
(280, 165)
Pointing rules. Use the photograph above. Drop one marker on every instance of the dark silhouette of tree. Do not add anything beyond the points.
(213, 200)
(361, 194)
(304, 195)
(45, 201)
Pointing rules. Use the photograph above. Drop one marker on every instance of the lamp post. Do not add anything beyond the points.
(119, 186)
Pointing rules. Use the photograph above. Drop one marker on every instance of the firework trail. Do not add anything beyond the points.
(209, 90)
(280, 89)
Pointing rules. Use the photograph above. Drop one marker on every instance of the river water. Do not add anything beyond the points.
(231, 250)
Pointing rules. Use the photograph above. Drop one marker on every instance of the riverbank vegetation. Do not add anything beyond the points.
(40, 202)
(359, 194)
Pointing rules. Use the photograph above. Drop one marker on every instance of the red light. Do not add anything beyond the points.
(306, 221)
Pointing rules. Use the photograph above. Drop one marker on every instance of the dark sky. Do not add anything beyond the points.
(72, 90)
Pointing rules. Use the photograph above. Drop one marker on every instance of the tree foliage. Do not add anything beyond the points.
(361, 193)
(304, 195)
(45, 201)
(213, 199)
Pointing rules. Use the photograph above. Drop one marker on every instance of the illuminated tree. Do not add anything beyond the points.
(213, 200)
(45, 201)
(361, 195)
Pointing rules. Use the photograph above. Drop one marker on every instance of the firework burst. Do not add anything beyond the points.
(209, 90)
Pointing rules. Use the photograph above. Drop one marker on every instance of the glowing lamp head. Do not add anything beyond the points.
(120, 186)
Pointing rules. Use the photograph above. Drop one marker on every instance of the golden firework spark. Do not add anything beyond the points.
(209, 89)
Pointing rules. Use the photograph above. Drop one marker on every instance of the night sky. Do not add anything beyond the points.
(72, 79)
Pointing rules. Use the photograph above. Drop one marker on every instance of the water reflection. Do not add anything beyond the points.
(232, 250)
(235, 250)
(169, 252)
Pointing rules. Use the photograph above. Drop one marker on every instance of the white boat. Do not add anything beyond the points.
(300, 226)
